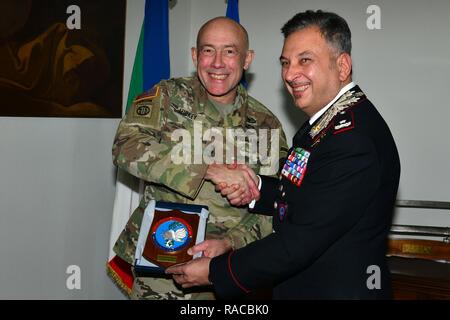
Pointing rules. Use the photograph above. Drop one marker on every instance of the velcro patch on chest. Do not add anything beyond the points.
(183, 112)
(294, 168)
(343, 121)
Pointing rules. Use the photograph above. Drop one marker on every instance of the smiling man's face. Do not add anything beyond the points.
(311, 70)
(221, 57)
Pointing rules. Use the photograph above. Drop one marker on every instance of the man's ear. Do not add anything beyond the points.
(344, 63)
(248, 58)
(194, 56)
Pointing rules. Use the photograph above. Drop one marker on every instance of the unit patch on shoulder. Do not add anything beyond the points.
(343, 121)
(143, 108)
(146, 108)
(149, 95)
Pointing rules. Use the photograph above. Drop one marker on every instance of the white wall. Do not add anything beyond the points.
(57, 189)
(403, 68)
(56, 201)
(180, 38)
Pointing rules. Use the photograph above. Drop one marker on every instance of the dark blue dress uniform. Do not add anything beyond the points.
(332, 208)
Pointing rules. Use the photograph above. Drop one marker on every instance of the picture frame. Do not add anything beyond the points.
(62, 58)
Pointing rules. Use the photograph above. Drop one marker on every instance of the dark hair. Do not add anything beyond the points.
(333, 27)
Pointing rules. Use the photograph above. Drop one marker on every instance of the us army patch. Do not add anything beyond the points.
(294, 168)
(146, 108)
(143, 102)
(143, 108)
(343, 121)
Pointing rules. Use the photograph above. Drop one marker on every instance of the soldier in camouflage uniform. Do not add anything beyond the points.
(143, 146)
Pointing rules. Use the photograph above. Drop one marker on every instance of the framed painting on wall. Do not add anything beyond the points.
(62, 58)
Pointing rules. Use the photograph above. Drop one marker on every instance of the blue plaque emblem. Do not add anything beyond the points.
(172, 234)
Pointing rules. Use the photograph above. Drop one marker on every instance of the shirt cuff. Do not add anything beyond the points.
(251, 205)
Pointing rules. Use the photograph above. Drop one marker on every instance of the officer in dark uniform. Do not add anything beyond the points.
(332, 204)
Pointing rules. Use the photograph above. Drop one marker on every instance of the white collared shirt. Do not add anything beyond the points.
(322, 111)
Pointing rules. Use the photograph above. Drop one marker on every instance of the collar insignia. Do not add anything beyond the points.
(347, 100)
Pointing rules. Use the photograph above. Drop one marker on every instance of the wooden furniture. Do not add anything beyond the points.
(420, 269)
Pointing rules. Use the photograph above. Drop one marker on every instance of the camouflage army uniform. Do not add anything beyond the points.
(142, 147)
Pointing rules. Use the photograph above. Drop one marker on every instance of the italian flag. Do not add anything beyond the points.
(151, 65)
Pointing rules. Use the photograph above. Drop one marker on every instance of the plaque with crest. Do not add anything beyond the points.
(167, 231)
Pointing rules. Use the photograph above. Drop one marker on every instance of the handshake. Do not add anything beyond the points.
(237, 182)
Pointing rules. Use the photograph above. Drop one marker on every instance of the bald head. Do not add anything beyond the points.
(224, 23)
(221, 56)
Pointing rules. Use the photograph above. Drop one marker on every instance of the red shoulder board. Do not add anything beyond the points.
(343, 121)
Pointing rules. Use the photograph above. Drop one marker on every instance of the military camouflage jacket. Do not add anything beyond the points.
(145, 147)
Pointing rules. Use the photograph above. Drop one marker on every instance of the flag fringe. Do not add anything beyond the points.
(117, 280)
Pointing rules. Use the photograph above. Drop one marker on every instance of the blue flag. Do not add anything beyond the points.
(156, 42)
(151, 65)
(152, 61)
(233, 13)
(233, 10)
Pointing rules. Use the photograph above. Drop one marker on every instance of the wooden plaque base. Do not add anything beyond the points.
(171, 234)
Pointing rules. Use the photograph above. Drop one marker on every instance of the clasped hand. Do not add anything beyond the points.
(240, 185)
(196, 271)
(237, 182)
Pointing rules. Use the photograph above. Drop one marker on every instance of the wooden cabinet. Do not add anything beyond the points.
(418, 279)
(420, 269)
